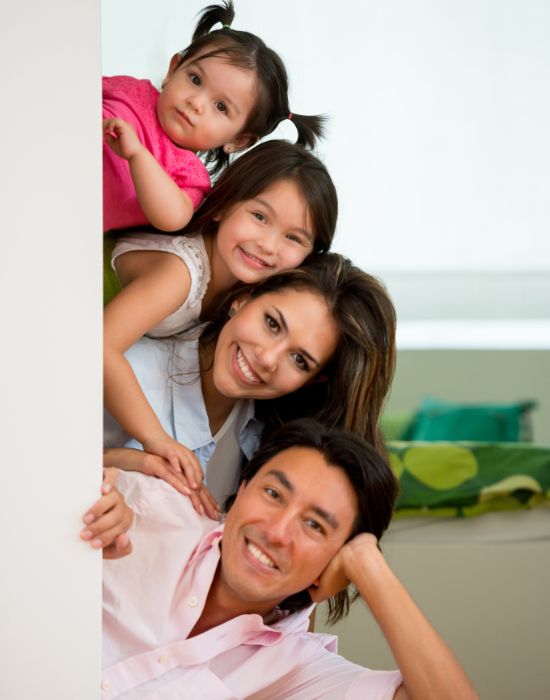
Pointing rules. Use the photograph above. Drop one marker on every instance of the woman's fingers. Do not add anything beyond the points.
(211, 507)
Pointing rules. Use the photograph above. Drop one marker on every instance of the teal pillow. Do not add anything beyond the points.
(444, 420)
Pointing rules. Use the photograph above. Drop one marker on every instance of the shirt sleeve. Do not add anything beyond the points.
(192, 177)
(332, 677)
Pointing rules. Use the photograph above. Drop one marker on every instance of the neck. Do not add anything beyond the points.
(218, 406)
(219, 608)
(221, 279)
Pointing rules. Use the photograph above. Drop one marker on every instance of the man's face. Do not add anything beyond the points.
(284, 528)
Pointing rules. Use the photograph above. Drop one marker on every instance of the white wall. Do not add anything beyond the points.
(50, 374)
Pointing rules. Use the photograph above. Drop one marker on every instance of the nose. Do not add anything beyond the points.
(195, 103)
(267, 356)
(268, 242)
(279, 530)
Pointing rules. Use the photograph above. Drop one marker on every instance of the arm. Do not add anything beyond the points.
(165, 205)
(156, 284)
(108, 520)
(138, 461)
(428, 666)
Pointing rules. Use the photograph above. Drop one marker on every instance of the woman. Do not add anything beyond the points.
(318, 341)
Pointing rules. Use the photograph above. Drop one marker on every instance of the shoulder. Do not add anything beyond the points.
(115, 85)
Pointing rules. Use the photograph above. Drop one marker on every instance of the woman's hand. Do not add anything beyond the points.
(339, 573)
(108, 520)
(153, 465)
(181, 459)
(121, 138)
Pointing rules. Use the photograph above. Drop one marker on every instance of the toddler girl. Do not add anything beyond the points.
(270, 209)
(221, 93)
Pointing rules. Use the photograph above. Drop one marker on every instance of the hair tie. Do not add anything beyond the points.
(226, 26)
(290, 116)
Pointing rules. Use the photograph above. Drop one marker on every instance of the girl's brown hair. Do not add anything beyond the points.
(248, 51)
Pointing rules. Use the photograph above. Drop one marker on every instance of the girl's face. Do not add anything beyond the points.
(268, 234)
(206, 103)
(274, 344)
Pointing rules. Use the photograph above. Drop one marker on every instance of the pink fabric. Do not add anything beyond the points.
(153, 598)
(135, 101)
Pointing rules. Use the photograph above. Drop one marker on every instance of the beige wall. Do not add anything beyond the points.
(475, 375)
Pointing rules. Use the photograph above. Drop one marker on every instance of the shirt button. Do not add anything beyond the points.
(193, 601)
(164, 659)
(105, 685)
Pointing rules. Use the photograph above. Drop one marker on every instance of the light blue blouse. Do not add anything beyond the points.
(168, 373)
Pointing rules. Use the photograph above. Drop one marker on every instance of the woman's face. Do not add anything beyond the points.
(274, 344)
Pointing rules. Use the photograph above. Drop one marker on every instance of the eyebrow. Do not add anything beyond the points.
(308, 234)
(282, 321)
(321, 512)
(223, 96)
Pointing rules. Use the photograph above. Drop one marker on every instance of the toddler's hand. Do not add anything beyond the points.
(108, 520)
(121, 138)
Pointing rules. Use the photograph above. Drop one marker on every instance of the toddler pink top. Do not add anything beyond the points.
(135, 101)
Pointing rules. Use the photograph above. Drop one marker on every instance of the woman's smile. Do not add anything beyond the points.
(249, 375)
(273, 344)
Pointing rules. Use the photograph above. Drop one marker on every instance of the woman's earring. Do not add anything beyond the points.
(231, 312)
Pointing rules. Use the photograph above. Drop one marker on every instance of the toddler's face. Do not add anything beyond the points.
(206, 103)
(266, 235)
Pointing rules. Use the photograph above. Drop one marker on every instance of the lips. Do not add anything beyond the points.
(246, 370)
(184, 117)
(253, 260)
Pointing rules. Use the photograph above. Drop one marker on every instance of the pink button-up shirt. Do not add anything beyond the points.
(154, 597)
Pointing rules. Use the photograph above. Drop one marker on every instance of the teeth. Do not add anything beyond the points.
(258, 260)
(245, 369)
(260, 556)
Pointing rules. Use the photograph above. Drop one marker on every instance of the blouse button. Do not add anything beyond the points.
(105, 685)
(163, 659)
(193, 601)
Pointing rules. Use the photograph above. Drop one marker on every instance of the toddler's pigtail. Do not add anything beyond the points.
(309, 128)
(212, 15)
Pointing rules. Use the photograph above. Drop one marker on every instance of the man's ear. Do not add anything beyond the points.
(174, 65)
(239, 143)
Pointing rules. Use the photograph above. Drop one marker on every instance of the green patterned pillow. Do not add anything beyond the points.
(468, 478)
(444, 420)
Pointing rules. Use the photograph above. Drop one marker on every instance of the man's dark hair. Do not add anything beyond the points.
(368, 472)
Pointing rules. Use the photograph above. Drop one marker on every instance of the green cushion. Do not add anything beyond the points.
(444, 420)
(467, 479)
(395, 424)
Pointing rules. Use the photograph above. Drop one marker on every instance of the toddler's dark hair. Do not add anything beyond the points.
(249, 52)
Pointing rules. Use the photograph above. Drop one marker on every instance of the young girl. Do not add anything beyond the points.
(269, 210)
(221, 93)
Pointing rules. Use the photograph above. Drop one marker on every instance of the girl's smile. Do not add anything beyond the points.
(265, 235)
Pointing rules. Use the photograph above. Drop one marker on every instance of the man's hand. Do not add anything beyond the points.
(339, 573)
(108, 520)
(121, 138)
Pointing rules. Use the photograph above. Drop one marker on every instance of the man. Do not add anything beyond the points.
(202, 610)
